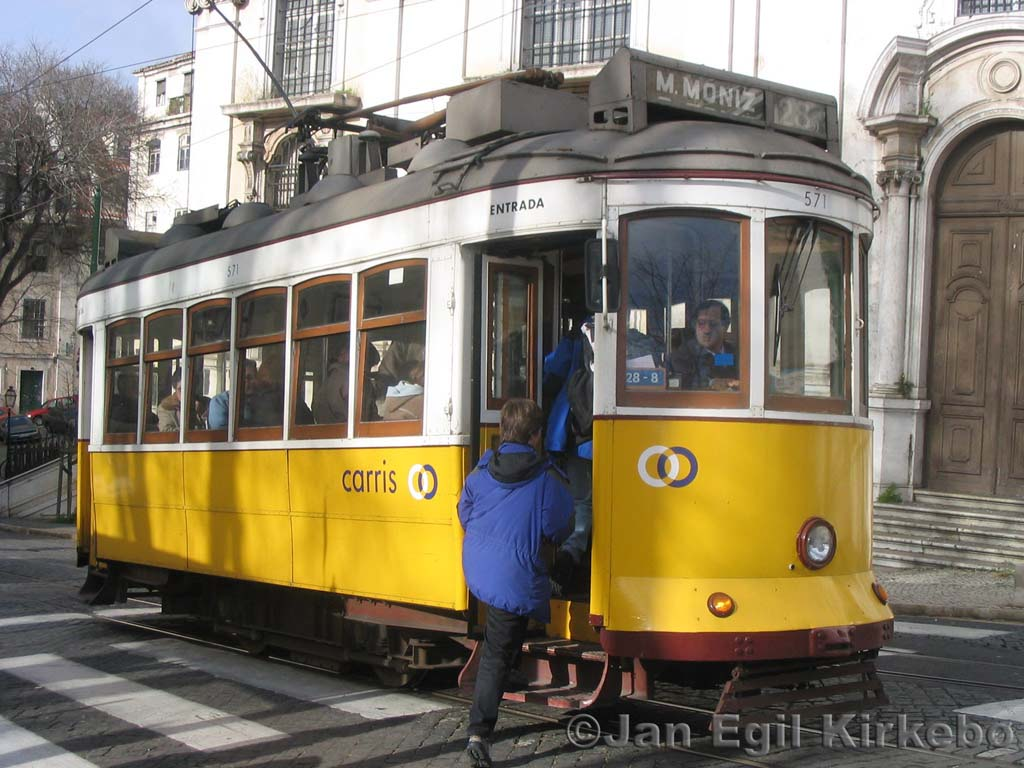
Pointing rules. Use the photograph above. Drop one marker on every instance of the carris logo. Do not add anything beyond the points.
(668, 468)
(422, 482)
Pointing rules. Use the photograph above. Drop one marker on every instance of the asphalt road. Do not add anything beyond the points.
(82, 686)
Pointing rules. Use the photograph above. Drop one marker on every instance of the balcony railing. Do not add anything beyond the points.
(180, 105)
(982, 7)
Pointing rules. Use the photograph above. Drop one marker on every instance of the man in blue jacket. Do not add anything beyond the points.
(514, 505)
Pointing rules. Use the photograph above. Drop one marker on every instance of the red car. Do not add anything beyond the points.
(65, 408)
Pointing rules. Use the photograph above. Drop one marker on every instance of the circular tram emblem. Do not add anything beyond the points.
(422, 482)
(668, 471)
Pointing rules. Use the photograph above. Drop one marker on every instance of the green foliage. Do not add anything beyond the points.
(890, 496)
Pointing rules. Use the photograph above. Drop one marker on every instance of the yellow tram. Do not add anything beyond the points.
(279, 409)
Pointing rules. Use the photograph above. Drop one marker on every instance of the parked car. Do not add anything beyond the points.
(17, 429)
(68, 404)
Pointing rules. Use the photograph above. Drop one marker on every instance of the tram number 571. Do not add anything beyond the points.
(815, 199)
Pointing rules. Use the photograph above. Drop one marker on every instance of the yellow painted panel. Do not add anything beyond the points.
(680, 605)
(571, 620)
(137, 505)
(84, 512)
(256, 546)
(380, 522)
(754, 485)
(237, 481)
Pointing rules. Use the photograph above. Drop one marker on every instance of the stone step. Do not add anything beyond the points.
(894, 555)
(981, 545)
(928, 514)
(989, 504)
(950, 531)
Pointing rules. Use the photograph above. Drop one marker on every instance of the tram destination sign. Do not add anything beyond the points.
(699, 92)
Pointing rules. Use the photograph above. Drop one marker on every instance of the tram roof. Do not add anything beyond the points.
(687, 148)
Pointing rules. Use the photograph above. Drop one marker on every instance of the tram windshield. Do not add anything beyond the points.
(682, 316)
(807, 268)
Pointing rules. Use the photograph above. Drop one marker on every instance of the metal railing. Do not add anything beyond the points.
(24, 456)
(982, 7)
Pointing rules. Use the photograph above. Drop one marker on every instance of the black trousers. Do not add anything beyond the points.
(503, 637)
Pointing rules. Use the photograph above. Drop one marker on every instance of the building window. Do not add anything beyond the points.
(40, 263)
(154, 156)
(151, 221)
(283, 173)
(566, 32)
(982, 7)
(186, 88)
(161, 92)
(179, 212)
(303, 45)
(33, 318)
(184, 148)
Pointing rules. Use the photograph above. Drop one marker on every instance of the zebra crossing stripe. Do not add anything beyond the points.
(191, 724)
(343, 695)
(19, 747)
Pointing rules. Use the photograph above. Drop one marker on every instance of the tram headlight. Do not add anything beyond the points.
(816, 544)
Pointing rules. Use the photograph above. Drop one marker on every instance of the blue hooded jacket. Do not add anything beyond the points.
(559, 366)
(510, 504)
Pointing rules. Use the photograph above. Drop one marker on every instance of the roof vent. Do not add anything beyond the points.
(179, 232)
(245, 213)
(503, 107)
(437, 152)
(328, 186)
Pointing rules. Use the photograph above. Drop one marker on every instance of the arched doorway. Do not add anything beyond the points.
(975, 431)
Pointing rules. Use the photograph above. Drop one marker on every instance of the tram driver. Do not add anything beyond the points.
(707, 360)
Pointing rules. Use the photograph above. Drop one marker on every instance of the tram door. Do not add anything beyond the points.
(513, 336)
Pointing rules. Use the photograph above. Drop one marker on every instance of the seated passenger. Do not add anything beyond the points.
(124, 404)
(264, 398)
(404, 400)
(217, 415)
(168, 412)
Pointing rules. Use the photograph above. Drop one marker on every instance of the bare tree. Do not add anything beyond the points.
(64, 131)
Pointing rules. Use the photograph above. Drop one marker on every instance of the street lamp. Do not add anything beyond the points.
(10, 397)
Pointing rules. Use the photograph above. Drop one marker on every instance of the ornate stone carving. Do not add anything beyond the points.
(1001, 74)
(895, 180)
(251, 154)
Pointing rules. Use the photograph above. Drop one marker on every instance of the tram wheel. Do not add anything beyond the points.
(392, 678)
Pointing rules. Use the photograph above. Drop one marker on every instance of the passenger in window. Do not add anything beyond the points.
(330, 401)
(265, 397)
(707, 360)
(400, 357)
(201, 411)
(404, 400)
(124, 402)
(168, 412)
(217, 415)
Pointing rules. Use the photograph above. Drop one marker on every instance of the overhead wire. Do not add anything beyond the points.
(80, 48)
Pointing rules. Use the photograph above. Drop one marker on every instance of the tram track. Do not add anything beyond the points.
(653, 710)
(441, 696)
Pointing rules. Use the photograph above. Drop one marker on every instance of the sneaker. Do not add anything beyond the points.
(478, 752)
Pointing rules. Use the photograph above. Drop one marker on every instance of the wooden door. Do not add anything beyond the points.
(975, 430)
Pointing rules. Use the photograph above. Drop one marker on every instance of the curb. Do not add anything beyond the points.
(981, 613)
(53, 533)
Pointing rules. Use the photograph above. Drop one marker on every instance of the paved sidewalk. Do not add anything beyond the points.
(921, 591)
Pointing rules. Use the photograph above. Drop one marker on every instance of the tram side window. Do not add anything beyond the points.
(682, 318)
(321, 333)
(209, 365)
(123, 348)
(261, 324)
(510, 343)
(163, 377)
(392, 330)
(807, 281)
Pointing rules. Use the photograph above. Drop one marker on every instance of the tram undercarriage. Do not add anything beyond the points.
(401, 644)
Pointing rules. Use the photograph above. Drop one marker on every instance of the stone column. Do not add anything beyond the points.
(251, 155)
(899, 187)
(895, 402)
